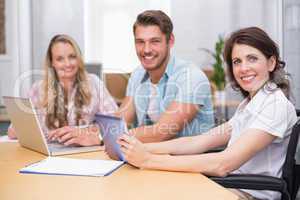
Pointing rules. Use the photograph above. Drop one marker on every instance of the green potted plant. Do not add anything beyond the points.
(218, 75)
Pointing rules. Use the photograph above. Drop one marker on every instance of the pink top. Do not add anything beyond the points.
(101, 102)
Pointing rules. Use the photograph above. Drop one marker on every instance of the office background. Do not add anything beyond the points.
(104, 31)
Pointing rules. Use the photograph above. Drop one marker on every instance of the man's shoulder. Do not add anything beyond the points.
(182, 66)
(138, 74)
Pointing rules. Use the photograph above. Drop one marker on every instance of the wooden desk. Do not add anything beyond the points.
(125, 183)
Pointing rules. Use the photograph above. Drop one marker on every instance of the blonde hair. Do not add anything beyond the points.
(54, 99)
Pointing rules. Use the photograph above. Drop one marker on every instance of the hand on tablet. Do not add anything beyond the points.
(134, 151)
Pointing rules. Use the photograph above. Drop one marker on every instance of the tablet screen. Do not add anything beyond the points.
(111, 129)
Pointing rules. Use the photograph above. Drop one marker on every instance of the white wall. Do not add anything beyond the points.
(9, 62)
(198, 23)
(108, 31)
(266, 14)
(23, 82)
(55, 17)
(18, 57)
(292, 44)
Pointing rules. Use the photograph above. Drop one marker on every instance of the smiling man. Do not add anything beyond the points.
(166, 97)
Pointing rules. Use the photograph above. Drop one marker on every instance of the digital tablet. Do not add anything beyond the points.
(111, 128)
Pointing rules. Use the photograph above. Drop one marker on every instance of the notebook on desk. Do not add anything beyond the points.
(29, 132)
(72, 167)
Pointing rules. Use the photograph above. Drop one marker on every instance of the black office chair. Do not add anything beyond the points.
(298, 112)
(288, 184)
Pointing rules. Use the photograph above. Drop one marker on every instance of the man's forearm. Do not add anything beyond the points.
(153, 133)
(173, 146)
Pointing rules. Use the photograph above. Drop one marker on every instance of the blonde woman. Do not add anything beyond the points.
(68, 97)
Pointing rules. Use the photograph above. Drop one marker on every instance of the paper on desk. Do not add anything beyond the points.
(74, 167)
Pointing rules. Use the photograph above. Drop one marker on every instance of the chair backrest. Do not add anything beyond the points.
(298, 112)
(116, 83)
(290, 171)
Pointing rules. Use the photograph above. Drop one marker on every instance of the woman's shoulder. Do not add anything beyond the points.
(94, 79)
(277, 96)
(270, 102)
(279, 105)
(37, 84)
(36, 92)
(270, 93)
(36, 88)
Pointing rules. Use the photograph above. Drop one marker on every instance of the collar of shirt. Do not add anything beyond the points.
(253, 105)
(168, 72)
(162, 84)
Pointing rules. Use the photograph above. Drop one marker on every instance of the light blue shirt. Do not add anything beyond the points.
(182, 82)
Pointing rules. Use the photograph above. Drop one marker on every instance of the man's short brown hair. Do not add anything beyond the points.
(156, 18)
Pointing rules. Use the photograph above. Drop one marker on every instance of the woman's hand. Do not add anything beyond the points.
(75, 136)
(134, 151)
(11, 133)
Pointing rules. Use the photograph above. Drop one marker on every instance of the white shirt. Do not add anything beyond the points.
(269, 111)
(153, 107)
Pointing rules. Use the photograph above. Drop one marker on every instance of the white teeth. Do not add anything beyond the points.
(247, 78)
(148, 57)
(68, 70)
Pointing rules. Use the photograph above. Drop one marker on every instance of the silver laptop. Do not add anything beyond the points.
(30, 135)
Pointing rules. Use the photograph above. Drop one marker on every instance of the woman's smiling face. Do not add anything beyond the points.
(64, 60)
(251, 68)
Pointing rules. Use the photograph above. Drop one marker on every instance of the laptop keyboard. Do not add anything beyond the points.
(57, 147)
